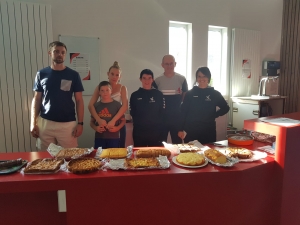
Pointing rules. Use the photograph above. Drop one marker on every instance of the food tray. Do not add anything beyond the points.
(116, 164)
(12, 169)
(240, 139)
(55, 149)
(42, 172)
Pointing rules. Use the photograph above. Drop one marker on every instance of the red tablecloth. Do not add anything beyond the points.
(242, 194)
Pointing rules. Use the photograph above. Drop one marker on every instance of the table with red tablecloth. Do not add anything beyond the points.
(247, 193)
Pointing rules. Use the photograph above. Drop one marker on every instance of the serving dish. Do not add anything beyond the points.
(257, 155)
(116, 164)
(12, 169)
(240, 139)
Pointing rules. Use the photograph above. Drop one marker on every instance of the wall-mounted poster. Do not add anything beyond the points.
(83, 57)
(80, 63)
(246, 73)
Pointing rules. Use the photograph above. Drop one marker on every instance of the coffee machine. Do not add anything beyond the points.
(271, 68)
(268, 84)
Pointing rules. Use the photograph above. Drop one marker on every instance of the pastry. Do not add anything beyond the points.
(142, 162)
(245, 154)
(44, 166)
(71, 152)
(190, 159)
(148, 153)
(232, 151)
(114, 153)
(83, 165)
(239, 152)
(215, 156)
(187, 148)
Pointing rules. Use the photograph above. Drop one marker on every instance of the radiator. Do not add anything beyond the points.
(25, 31)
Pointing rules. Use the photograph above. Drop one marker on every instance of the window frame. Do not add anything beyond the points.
(224, 69)
(188, 28)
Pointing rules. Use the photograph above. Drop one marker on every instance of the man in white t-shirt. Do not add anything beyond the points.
(173, 86)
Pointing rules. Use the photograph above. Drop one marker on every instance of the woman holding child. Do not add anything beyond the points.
(119, 94)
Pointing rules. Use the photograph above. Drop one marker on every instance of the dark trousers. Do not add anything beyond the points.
(147, 137)
(172, 127)
(201, 131)
(122, 136)
(106, 143)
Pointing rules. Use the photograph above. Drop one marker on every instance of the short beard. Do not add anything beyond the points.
(58, 61)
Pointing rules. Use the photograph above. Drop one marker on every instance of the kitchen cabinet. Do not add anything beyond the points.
(244, 108)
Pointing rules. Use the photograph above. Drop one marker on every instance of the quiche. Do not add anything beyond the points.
(83, 165)
(190, 159)
(142, 162)
(68, 153)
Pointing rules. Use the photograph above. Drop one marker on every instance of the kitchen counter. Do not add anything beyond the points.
(245, 194)
(287, 158)
(244, 108)
(249, 99)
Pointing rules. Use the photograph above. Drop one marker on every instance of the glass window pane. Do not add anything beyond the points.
(178, 47)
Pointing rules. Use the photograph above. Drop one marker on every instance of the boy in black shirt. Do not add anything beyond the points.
(146, 109)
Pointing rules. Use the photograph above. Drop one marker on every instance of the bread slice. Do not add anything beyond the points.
(114, 153)
(215, 156)
(148, 153)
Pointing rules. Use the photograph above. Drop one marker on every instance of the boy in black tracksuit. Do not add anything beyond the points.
(146, 109)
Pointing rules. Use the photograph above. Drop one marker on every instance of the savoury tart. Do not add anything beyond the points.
(83, 165)
(44, 166)
(68, 153)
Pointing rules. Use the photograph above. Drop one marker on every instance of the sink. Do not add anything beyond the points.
(264, 96)
(260, 97)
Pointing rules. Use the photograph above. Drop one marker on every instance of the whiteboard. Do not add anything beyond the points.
(83, 56)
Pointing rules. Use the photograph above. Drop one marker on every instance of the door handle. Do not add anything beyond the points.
(255, 112)
(235, 109)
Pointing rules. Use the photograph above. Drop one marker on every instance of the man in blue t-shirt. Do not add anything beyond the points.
(53, 117)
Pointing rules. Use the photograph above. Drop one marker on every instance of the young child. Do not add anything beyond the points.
(106, 109)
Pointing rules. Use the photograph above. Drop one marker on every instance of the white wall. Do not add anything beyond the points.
(135, 32)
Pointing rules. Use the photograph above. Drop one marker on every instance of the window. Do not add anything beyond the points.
(180, 46)
(217, 58)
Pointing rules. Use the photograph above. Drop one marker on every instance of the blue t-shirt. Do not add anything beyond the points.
(58, 87)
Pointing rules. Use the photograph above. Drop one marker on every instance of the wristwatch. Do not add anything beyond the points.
(80, 123)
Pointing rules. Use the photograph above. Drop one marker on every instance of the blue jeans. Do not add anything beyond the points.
(107, 143)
